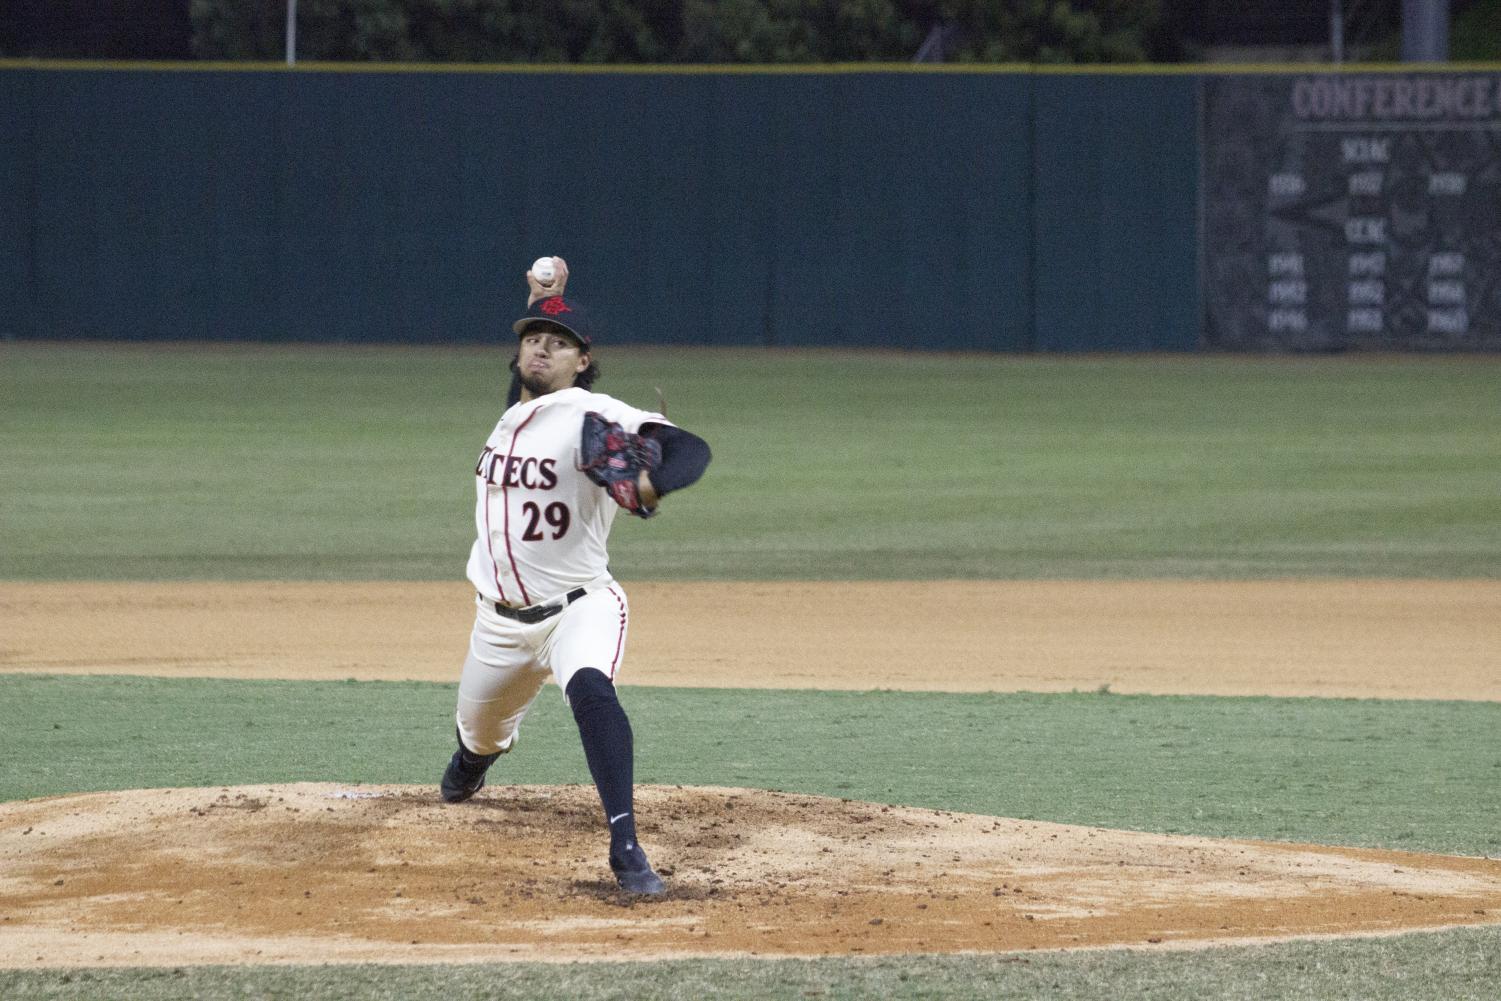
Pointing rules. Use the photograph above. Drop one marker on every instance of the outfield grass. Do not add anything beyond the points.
(250, 462)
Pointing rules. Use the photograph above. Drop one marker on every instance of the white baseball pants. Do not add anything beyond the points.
(510, 661)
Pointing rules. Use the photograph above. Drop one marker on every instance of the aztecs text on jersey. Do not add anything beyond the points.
(541, 525)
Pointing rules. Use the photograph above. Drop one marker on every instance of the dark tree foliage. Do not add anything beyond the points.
(1054, 31)
(562, 31)
(712, 31)
(88, 29)
(682, 31)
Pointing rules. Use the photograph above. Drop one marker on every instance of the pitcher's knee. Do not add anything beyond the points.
(590, 690)
(484, 738)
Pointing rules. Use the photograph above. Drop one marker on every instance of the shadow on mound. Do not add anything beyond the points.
(323, 873)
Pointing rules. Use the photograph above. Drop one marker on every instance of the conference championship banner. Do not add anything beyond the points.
(1352, 211)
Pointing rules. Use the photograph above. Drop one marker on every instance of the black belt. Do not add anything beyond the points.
(537, 613)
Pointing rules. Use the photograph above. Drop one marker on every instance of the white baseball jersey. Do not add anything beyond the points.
(542, 524)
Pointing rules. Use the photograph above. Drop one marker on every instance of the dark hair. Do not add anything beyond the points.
(584, 380)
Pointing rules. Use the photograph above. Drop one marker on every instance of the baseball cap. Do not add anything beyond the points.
(569, 314)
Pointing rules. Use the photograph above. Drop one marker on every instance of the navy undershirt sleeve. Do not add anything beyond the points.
(685, 456)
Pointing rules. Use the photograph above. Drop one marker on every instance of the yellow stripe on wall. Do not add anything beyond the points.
(741, 69)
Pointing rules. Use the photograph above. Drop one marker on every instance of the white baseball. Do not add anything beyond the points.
(543, 270)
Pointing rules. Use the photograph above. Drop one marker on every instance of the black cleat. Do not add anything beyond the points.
(465, 774)
(634, 873)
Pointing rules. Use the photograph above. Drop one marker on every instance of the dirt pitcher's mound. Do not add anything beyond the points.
(323, 873)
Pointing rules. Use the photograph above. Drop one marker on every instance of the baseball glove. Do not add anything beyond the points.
(614, 458)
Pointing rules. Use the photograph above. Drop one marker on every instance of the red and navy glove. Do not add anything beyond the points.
(615, 458)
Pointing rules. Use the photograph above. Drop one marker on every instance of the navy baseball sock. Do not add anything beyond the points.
(606, 735)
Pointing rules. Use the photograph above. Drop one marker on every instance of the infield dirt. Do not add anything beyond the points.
(319, 873)
(1335, 638)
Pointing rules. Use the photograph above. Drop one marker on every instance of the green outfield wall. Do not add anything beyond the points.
(1115, 173)
(997, 208)
(828, 206)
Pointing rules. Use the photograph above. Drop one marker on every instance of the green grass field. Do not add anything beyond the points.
(1454, 966)
(175, 462)
(1408, 775)
(353, 463)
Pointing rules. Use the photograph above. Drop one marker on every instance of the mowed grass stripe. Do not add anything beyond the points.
(1459, 965)
(1417, 776)
(334, 462)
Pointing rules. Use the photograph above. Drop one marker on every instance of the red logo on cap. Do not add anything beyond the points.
(554, 306)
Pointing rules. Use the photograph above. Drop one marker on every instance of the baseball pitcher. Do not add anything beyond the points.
(561, 464)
